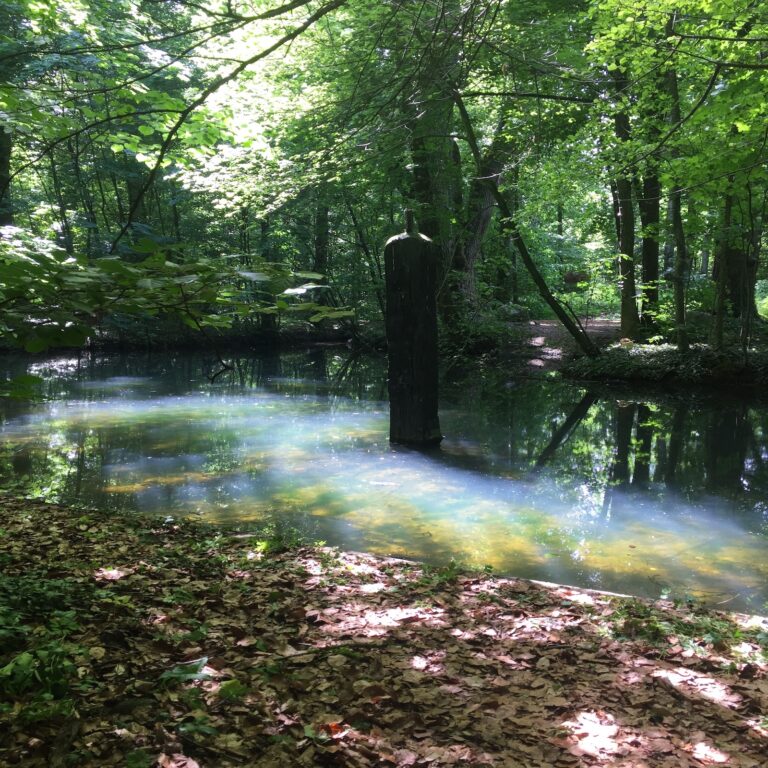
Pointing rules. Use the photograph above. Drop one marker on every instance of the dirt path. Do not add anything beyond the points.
(546, 345)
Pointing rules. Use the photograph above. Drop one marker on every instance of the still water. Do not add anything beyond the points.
(538, 479)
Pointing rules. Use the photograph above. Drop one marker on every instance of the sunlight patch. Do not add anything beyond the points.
(431, 663)
(110, 574)
(596, 733)
(706, 687)
(709, 755)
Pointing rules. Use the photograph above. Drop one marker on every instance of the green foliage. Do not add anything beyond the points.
(437, 577)
(695, 630)
(278, 536)
(24, 387)
(158, 177)
(139, 758)
(232, 690)
(191, 671)
(52, 299)
(39, 659)
(196, 725)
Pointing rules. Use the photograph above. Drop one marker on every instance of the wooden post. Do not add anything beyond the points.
(410, 262)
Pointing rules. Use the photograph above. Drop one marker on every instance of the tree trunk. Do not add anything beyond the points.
(321, 237)
(432, 157)
(268, 320)
(6, 210)
(680, 272)
(371, 258)
(86, 198)
(649, 204)
(480, 205)
(630, 318)
(720, 271)
(65, 233)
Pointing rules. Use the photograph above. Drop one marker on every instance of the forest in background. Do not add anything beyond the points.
(236, 166)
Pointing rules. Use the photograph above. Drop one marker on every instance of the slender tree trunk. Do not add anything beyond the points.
(176, 218)
(86, 198)
(680, 272)
(669, 242)
(630, 318)
(321, 237)
(65, 234)
(122, 214)
(514, 205)
(649, 205)
(431, 154)
(720, 272)
(480, 204)
(268, 321)
(704, 263)
(6, 209)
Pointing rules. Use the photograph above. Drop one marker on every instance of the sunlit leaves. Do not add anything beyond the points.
(51, 299)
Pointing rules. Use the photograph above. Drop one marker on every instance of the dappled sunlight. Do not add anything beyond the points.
(432, 663)
(111, 574)
(595, 734)
(690, 682)
(708, 754)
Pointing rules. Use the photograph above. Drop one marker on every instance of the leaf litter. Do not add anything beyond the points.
(165, 644)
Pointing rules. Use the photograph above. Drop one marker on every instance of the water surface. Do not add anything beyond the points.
(536, 479)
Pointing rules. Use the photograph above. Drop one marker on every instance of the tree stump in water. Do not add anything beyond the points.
(410, 262)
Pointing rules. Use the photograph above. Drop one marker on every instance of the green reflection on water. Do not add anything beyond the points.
(630, 498)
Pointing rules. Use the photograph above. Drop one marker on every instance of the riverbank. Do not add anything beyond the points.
(141, 643)
(545, 348)
(663, 364)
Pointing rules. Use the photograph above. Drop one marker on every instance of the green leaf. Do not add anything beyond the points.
(332, 315)
(35, 344)
(184, 673)
(232, 690)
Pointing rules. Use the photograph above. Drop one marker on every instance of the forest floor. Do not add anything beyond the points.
(143, 643)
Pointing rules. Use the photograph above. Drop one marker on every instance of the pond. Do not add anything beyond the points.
(536, 478)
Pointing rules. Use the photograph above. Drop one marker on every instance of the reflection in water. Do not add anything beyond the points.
(544, 481)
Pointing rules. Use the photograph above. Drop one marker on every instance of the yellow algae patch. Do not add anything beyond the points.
(133, 488)
(242, 511)
(306, 494)
(149, 482)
